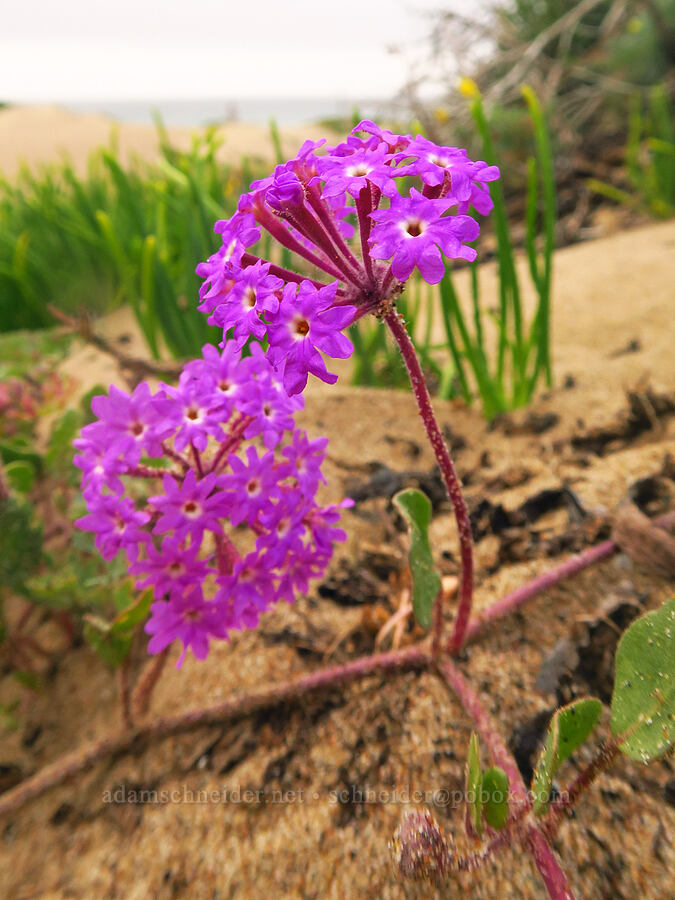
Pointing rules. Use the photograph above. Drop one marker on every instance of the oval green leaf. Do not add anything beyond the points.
(643, 702)
(496, 797)
(21, 475)
(568, 729)
(415, 507)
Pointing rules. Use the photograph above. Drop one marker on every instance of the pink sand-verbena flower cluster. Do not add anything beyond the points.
(232, 526)
(311, 205)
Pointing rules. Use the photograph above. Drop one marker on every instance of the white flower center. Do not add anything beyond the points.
(299, 328)
(413, 227)
(357, 171)
(191, 509)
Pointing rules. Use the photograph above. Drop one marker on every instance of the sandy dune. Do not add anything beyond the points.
(42, 134)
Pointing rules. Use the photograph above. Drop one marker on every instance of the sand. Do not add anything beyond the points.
(41, 134)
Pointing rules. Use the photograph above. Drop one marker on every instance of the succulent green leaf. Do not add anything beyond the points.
(415, 507)
(474, 783)
(496, 797)
(643, 703)
(568, 729)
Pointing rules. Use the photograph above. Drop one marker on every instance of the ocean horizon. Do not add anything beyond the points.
(256, 110)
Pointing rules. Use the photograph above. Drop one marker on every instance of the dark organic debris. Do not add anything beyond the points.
(649, 546)
(489, 518)
(646, 410)
(559, 664)
(525, 742)
(385, 482)
(519, 541)
(10, 775)
(513, 476)
(652, 495)
(532, 423)
(633, 346)
(590, 649)
(669, 792)
(364, 580)
(305, 645)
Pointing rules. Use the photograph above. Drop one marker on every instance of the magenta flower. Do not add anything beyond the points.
(414, 231)
(306, 457)
(129, 421)
(188, 618)
(190, 508)
(171, 570)
(351, 173)
(185, 409)
(253, 294)
(116, 524)
(252, 484)
(307, 322)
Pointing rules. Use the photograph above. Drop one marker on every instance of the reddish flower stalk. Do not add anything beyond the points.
(234, 707)
(452, 484)
(552, 875)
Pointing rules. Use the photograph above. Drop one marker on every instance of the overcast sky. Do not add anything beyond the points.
(68, 50)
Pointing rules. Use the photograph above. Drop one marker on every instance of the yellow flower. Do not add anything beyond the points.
(468, 88)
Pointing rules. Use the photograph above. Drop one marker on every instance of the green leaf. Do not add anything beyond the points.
(85, 403)
(496, 797)
(20, 543)
(112, 648)
(21, 475)
(133, 614)
(112, 640)
(20, 449)
(643, 702)
(64, 431)
(568, 729)
(415, 507)
(474, 784)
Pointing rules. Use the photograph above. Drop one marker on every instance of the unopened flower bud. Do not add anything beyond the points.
(420, 847)
(286, 192)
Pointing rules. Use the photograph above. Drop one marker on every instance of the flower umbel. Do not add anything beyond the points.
(208, 480)
(310, 205)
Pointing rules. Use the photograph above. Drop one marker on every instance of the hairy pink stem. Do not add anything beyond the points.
(452, 484)
(286, 239)
(231, 442)
(148, 472)
(311, 227)
(226, 554)
(552, 875)
(176, 457)
(364, 206)
(564, 803)
(234, 707)
(319, 208)
(142, 695)
(542, 582)
(484, 725)
(198, 460)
